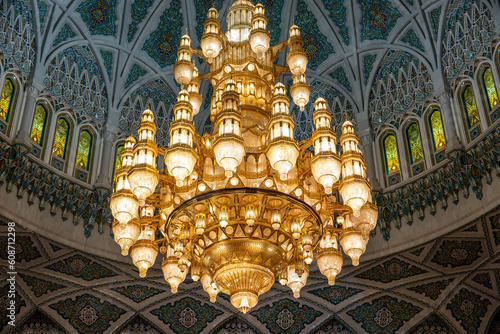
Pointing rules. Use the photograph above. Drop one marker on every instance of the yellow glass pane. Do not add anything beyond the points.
(38, 125)
(6, 101)
(61, 138)
(437, 131)
(415, 143)
(83, 155)
(118, 160)
(391, 154)
(470, 104)
(490, 89)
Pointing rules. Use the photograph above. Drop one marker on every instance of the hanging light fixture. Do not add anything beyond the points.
(236, 208)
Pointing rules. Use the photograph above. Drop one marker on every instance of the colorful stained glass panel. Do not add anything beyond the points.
(490, 89)
(118, 160)
(391, 154)
(38, 128)
(470, 104)
(83, 155)
(7, 98)
(61, 138)
(437, 131)
(415, 143)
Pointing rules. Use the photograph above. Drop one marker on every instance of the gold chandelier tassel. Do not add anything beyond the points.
(180, 156)
(282, 151)
(325, 165)
(354, 188)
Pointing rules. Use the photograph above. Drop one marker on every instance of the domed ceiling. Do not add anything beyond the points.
(385, 57)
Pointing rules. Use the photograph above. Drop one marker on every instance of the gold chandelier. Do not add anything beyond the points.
(246, 205)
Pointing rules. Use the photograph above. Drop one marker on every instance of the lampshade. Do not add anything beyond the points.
(297, 58)
(124, 206)
(353, 244)
(300, 92)
(367, 220)
(295, 281)
(330, 263)
(209, 286)
(173, 275)
(126, 235)
(183, 68)
(143, 254)
(211, 43)
(259, 37)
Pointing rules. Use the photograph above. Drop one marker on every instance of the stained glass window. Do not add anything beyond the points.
(470, 104)
(391, 154)
(61, 138)
(415, 143)
(489, 86)
(7, 98)
(118, 160)
(437, 130)
(38, 129)
(84, 145)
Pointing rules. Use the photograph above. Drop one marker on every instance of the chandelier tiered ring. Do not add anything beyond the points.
(246, 205)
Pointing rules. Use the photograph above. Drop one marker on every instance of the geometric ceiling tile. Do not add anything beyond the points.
(63, 35)
(391, 270)
(384, 315)
(99, 16)
(162, 43)
(235, 325)
(433, 323)
(42, 10)
(455, 253)
(40, 323)
(81, 267)
(333, 326)
(368, 62)
(40, 286)
(435, 15)
(340, 76)
(433, 289)
(139, 9)
(137, 293)
(494, 225)
(485, 281)
(286, 316)
(379, 17)
(107, 58)
(24, 248)
(412, 39)
(335, 294)
(187, 315)
(87, 314)
(468, 308)
(417, 251)
(495, 324)
(338, 15)
(316, 45)
(138, 325)
(55, 247)
(135, 72)
(9, 316)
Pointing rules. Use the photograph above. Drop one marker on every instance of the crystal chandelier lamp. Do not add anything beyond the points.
(245, 205)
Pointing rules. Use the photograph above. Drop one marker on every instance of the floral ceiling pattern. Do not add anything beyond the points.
(448, 285)
(352, 48)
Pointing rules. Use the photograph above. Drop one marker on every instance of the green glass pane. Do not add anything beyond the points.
(470, 104)
(83, 155)
(391, 154)
(490, 89)
(61, 138)
(118, 161)
(415, 143)
(38, 125)
(437, 131)
(6, 101)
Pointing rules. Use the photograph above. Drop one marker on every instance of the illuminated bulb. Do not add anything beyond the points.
(276, 219)
(297, 58)
(209, 287)
(183, 68)
(283, 277)
(353, 244)
(296, 228)
(124, 205)
(300, 92)
(173, 274)
(143, 254)
(250, 214)
(367, 220)
(195, 272)
(329, 257)
(143, 176)
(259, 37)
(295, 281)
(211, 43)
(178, 249)
(184, 263)
(223, 216)
(244, 306)
(126, 235)
(200, 219)
(193, 89)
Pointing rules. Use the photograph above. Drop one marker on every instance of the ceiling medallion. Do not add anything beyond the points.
(246, 205)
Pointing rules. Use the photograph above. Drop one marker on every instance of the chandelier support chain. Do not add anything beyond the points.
(247, 204)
